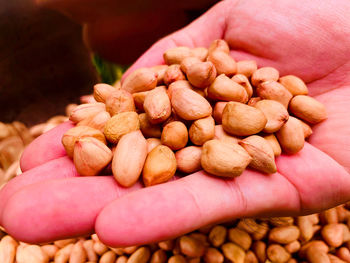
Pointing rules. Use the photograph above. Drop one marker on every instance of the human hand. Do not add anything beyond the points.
(293, 38)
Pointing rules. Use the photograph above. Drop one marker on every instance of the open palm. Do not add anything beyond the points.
(310, 40)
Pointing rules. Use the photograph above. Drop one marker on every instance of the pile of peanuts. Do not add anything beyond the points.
(201, 110)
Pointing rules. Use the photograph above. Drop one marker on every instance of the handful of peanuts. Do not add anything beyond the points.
(215, 113)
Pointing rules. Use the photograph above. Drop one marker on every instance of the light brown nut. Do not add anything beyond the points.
(191, 247)
(284, 234)
(160, 70)
(122, 259)
(130, 250)
(308, 109)
(263, 157)
(261, 232)
(160, 166)
(97, 122)
(31, 254)
(317, 244)
(141, 255)
(49, 250)
(129, 158)
(159, 256)
(240, 237)
(87, 99)
(329, 216)
(139, 99)
(217, 112)
(86, 110)
(200, 53)
(91, 156)
(23, 131)
(295, 85)
(120, 101)
(315, 255)
(293, 247)
(102, 91)
(219, 44)
(224, 88)
(108, 257)
(305, 225)
(175, 135)
(187, 63)
(78, 254)
(201, 237)
(89, 249)
(217, 235)
(188, 159)
(74, 134)
(346, 233)
(223, 62)
(259, 248)
(202, 130)
(264, 74)
(141, 79)
(246, 67)
(221, 135)
(275, 113)
(157, 105)
(250, 257)
(242, 120)
(8, 249)
(167, 245)
(254, 100)
(272, 140)
(307, 129)
(213, 255)
(244, 82)
(233, 252)
(100, 248)
(201, 74)
(189, 105)
(176, 55)
(249, 225)
(117, 250)
(173, 73)
(272, 90)
(121, 124)
(291, 136)
(177, 259)
(333, 234)
(281, 221)
(222, 159)
(178, 85)
(342, 213)
(152, 143)
(62, 255)
(344, 254)
(64, 242)
(335, 259)
(148, 129)
(277, 253)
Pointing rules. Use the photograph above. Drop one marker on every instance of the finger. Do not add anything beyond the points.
(167, 210)
(58, 209)
(45, 148)
(59, 168)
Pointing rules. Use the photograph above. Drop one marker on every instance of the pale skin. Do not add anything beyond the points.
(311, 40)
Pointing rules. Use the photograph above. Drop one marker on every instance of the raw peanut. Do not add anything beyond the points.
(159, 256)
(219, 44)
(242, 120)
(10, 151)
(342, 213)
(74, 134)
(188, 159)
(122, 259)
(291, 136)
(254, 100)
(329, 216)
(62, 255)
(263, 157)
(121, 124)
(87, 99)
(201, 237)
(223, 62)
(314, 255)
(157, 105)
(91, 156)
(167, 245)
(344, 254)
(281, 221)
(120, 101)
(275, 113)
(173, 73)
(102, 91)
(222, 159)
(31, 254)
(272, 90)
(233, 252)
(117, 84)
(141, 255)
(36, 130)
(333, 234)
(218, 109)
(78, 254)
(202, 130)
(213, 255)
(221, 135)
(284, 234)
(317, 244)
(346, 233)
(201, 74)
(160, 166)
(64, 242)
(244, 82)
(334, 259)
(152, 143)
(261, 232)
(177, 259)
(142, 79)
(50, 250)
(100, 248)
(8, 249)
(176, 55)
(250, 257)
(217, 235)
(97, 122)
(259, 248)
(246, 67)
(294, 84)
(175, 135)
(188, 62)
(249, 225)
(108, 257)
(305, 225)
(189, 105)
(23, 131)
(293, 247)
(240, 237)
(306, 129)
(191, 247)
(139, 99)
(89, 249)
(160, 71)
(264, 74)
(129, 158)
(86, 110)
(5, 131)
(148, 129)
(272, 140)
(277, 254)
(178, 85)
(224, 88)
(200, 53)
(308, 109)
(130, 250)
(117, 250)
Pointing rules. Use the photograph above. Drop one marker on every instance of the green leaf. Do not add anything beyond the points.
(108, 71)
